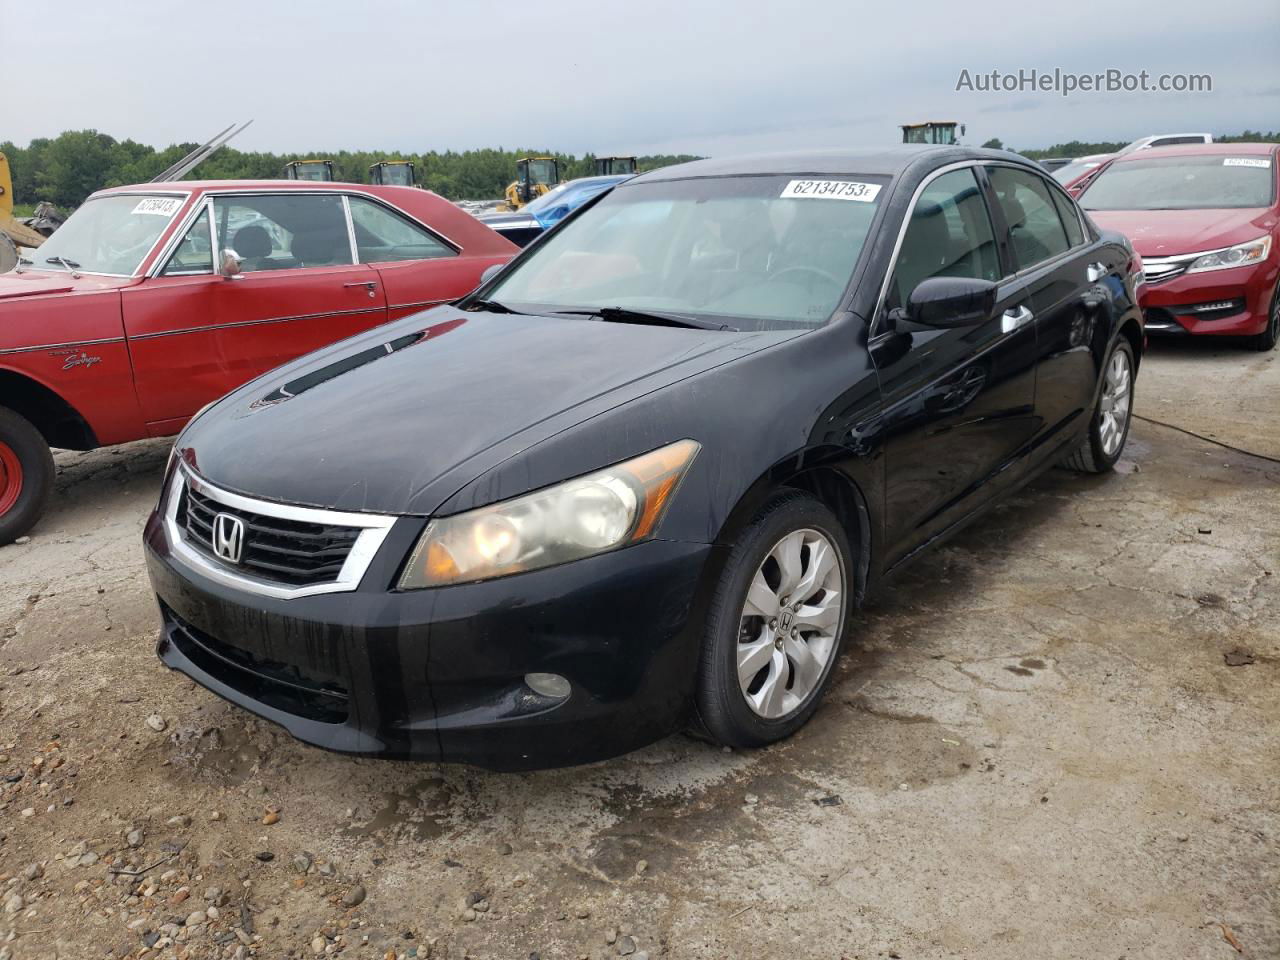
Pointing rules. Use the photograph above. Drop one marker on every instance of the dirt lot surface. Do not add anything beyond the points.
(1056, 737)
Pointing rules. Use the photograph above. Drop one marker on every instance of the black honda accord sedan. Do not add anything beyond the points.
(642, 478)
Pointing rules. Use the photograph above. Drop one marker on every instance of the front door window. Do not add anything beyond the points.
(283, 231)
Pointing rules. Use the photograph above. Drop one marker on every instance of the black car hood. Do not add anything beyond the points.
(397, 419)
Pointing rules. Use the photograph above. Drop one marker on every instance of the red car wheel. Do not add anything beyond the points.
(10, 478)
(26, 475)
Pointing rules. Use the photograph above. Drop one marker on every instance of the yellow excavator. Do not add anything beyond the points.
(534, 177)
(13, 232)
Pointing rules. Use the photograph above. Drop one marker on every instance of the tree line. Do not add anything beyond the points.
(67, 168)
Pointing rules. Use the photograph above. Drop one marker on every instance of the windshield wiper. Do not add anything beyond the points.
(71, 265)
(493, 306)
(627, 315)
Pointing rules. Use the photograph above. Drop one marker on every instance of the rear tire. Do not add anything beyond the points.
(1112, 414)
(26, 475)
(776, 622)
(1267, 339)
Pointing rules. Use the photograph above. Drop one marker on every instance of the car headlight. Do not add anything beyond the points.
(1241, 255)
(601, 511)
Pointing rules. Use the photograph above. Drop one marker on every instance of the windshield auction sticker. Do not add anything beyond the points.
(1246, 162)
(830, 190)
(159, 206)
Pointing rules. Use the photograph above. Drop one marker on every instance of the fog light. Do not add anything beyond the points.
(548, 685)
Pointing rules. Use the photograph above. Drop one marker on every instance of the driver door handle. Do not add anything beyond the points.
(1016, 318)
(370, 285)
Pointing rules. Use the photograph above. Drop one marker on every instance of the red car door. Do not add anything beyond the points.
(195, 334)
(418, 268)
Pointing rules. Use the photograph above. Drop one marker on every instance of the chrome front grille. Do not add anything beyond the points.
(283, 551)
(290, 551)
(1158, 269)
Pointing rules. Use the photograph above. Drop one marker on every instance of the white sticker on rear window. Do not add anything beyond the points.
(159, 206)
(831, 190)
(1246, 162)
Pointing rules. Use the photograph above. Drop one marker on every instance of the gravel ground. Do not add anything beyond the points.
(1057, 737)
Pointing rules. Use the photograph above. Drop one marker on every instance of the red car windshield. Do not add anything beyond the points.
(1184, 183)
(109, 235)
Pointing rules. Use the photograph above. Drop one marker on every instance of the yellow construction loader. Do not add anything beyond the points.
(534, 177)
(13, 232)
(608, 166)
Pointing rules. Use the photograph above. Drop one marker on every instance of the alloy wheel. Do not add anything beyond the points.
(1114, 405)
(790, 623)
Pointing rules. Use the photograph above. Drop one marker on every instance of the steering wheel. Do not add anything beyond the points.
(814, 271)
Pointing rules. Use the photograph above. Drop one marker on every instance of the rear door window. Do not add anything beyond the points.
(383, 236)
(283, 231)
(1036, 231)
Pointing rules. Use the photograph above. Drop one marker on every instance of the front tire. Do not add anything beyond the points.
(1109, 427)
(777, 619)
(26, 475)
(1267, 339)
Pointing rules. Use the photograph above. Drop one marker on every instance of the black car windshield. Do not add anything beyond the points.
(1183, 183)
(760, 252)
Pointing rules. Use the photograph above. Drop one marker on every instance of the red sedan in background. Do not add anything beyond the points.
(1206, 221)
(152, 301)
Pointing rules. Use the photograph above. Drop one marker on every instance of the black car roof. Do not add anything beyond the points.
(884, 161)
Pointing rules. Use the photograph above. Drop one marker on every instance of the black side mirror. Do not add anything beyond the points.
(951, 302)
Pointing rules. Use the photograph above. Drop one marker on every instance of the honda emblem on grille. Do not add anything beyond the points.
(228, 537)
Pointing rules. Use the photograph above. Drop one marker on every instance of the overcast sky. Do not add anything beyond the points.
(648, 76)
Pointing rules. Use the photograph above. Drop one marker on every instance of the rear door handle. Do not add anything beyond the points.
(1096, 271)
(1016, 319)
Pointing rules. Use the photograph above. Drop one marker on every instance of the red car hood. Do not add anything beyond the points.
(30, 283)
(1167, 233)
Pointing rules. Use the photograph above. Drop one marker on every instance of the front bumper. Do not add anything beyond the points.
(1218, 303)
(439, 674)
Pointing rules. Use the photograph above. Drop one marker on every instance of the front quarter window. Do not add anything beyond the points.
(758, 252)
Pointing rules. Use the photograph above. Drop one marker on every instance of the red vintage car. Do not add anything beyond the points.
(1206, 221)
(152, 301)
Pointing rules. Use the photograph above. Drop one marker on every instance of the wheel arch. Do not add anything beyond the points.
(818, 473)
(61, 424)
(1131, 330)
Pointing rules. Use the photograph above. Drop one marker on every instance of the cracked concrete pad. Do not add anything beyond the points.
(1033, 748)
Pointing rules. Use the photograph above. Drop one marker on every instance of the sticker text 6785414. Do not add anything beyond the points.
(831, 190)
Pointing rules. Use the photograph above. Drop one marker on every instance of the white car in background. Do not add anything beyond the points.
(1167, 140)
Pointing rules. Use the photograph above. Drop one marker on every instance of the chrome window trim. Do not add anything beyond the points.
(374, 530)
(902, 233)
(351, 228)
